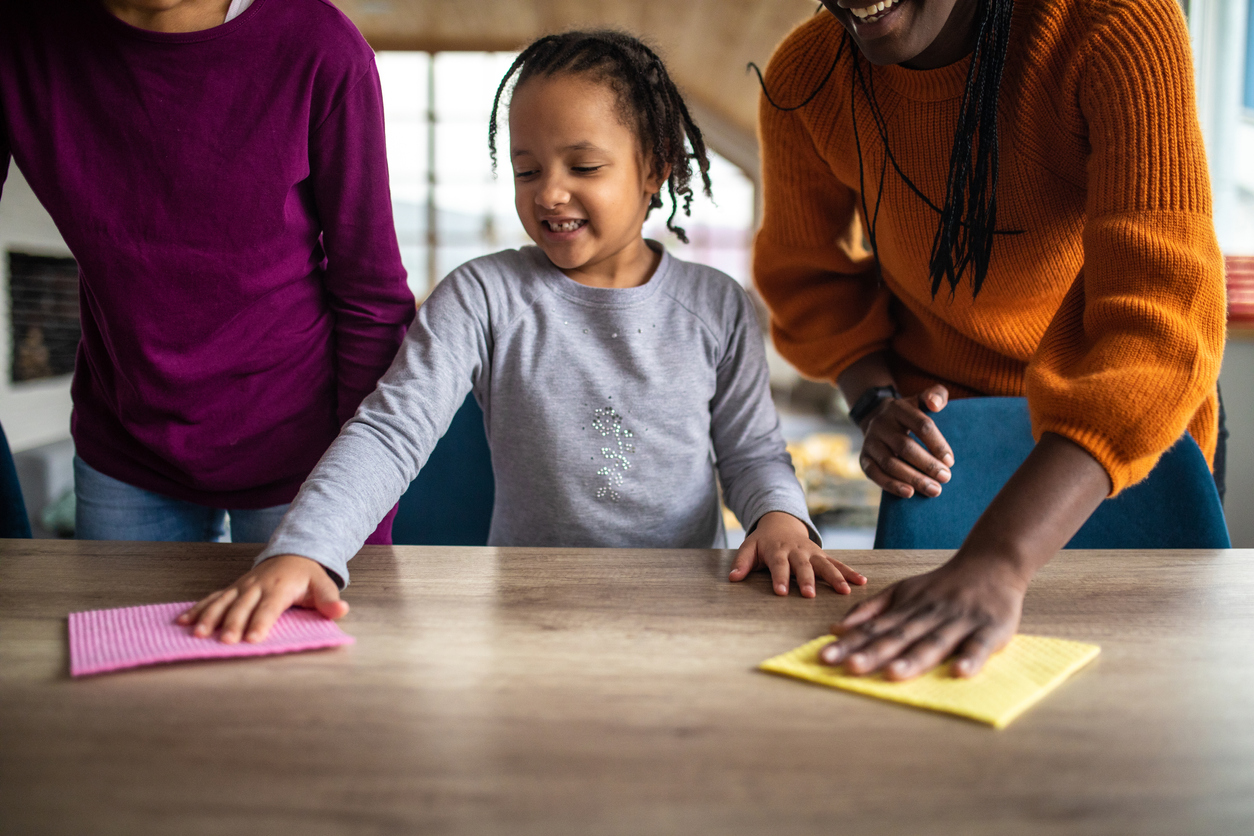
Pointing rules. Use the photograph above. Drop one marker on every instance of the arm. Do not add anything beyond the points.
(827, 310)
(759, 484)
(364, 279)
(830, 316)
(1129, 358)
(363, 473)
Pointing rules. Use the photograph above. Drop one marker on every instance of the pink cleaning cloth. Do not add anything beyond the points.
(129, 637)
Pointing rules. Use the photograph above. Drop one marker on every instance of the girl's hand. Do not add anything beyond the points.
(782, 543)
(969, 607)
(249, 607)
(896, 462)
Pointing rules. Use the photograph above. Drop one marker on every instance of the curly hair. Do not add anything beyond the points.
(648, 101)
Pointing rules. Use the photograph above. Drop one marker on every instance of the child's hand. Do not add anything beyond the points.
(782, 543)
(249, 607)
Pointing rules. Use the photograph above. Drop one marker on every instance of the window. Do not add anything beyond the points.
(449, 208)
(1248, 95)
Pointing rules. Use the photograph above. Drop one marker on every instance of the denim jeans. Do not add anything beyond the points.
(109, 509)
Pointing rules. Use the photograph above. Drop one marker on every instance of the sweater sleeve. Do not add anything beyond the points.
(1134, 351)
(364, 278)
(753, 464)
(827, 309)
(381, 450)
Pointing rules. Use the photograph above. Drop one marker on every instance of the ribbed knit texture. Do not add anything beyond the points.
(1106, 311)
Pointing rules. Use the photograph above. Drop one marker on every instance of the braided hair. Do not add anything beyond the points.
(648, 101)
(968, 215)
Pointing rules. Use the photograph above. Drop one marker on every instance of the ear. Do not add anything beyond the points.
(656, 180)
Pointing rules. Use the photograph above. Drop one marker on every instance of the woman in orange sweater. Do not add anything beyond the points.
(1031, 186)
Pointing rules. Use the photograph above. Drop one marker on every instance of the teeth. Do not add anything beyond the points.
(565, 226)
(874, 9)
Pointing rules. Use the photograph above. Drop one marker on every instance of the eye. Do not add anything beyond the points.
(586, 169)
(523, 175)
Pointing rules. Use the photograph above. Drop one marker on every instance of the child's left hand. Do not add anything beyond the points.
(782, 543)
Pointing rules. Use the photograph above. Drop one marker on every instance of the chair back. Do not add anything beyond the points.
(14, 524)
(450, 502)
(1176, 507)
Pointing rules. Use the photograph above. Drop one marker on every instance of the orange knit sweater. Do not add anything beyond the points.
(1107, 312)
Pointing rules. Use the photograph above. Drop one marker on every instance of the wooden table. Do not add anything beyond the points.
(527, 691)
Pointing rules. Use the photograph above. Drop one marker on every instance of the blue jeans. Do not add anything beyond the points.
(108, 509)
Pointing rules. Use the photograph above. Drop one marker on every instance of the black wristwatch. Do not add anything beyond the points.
(870, 399)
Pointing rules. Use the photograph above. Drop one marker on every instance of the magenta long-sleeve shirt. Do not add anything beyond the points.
(225, 193)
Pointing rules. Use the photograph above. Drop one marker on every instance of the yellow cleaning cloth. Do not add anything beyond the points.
(1012, 681)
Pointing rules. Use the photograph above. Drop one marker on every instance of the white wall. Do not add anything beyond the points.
(37, 412)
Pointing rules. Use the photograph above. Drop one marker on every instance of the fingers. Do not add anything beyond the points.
(928, 651)
(880, 648)
(326, 598)
(237, 616)
(896, 461)
(211, 616)
(803, 566)
(781, 571)
(837, 574)
(272, 605)
(194, 612)
(746, 559)
(925, 428)
(934, 398)
(976, 650)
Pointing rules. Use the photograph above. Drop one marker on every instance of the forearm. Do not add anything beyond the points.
(867, 373)
(1043, 505)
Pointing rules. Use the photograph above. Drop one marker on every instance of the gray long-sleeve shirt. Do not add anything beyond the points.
(608, 413)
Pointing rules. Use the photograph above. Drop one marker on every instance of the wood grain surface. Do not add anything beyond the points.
(529, 691)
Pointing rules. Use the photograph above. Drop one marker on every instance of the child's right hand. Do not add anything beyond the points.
(249, 607)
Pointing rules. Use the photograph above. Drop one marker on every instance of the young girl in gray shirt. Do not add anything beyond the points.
(619, 385)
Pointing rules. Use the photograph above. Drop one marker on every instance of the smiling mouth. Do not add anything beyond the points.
(873, 12)
(564, 226)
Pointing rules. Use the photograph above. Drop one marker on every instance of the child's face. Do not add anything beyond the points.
(581, 186)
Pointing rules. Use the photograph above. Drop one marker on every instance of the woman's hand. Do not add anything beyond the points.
(782, 543)
(249, 607)
(895, 461)
(969, 607)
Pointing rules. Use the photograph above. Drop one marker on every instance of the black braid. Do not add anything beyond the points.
(968, 217)
(647, 97)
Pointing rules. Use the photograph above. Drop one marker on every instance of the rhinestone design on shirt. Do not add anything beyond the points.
(610, 424)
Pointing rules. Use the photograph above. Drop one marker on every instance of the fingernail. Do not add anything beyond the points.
(898, 666)
(830, 654)
(857, 660)
(948, 459)
(933, 490)
(781, 589)
(935, 401)
(943, 475)
(808, 590)
(254, 637)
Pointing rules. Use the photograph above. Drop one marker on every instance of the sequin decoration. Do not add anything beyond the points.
(610, 425)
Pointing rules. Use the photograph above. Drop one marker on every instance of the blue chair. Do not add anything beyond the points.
(13, 520)
(1176, 507)
(450, 503)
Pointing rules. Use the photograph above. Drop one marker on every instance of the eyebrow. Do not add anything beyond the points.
(578, 146)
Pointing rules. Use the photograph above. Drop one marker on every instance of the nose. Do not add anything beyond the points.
(552, 192)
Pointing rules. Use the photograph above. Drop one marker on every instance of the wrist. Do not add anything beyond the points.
(1013, 563)
(869, 401)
